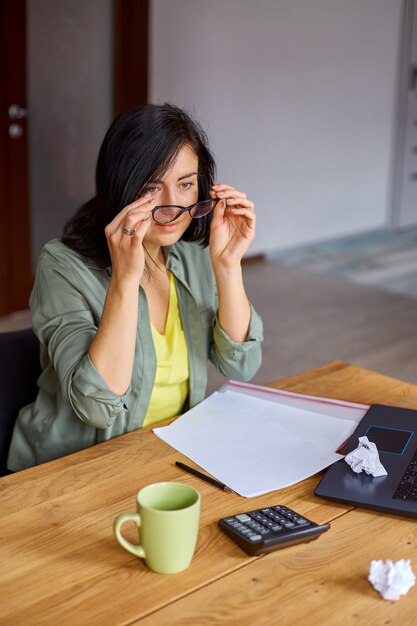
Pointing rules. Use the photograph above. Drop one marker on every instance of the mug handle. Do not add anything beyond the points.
(130, 547)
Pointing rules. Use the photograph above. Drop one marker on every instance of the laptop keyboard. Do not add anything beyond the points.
(407, 487)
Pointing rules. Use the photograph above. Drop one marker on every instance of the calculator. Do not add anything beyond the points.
(271, 528)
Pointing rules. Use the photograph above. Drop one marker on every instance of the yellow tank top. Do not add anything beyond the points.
(171, 386)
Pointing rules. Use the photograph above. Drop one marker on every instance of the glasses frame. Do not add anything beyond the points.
(183, 209)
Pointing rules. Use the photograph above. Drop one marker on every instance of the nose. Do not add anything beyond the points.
(169, 196)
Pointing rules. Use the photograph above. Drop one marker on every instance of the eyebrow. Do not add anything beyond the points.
(178, 179)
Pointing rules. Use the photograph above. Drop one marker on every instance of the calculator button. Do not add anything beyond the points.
(271, 528)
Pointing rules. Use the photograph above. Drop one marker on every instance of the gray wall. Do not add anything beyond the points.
(69, 96)
(298, 97)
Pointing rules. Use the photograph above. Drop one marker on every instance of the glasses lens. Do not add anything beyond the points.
(203, 208)
(165, 214)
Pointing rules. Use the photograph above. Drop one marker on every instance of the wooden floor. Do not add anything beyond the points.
(311, 319)
(385, 258)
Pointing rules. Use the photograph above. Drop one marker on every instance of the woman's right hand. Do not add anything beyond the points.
(126, 250)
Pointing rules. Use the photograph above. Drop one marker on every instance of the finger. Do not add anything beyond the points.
(242, 211)
(133, 223)
(245, 222)
(140, 203)
(141, 231)
(116, 236)
(136, 211)
(218, 213)
(244, 217)
(138, 214)
(136, 238)
(231, 193)
(221, 187)
(240, 202)
(223, 190)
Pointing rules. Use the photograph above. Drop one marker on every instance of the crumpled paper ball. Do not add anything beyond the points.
(392, 580)
(366, 458)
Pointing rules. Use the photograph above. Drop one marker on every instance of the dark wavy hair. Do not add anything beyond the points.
(139, 146)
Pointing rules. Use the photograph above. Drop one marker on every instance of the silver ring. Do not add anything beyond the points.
(128, 231)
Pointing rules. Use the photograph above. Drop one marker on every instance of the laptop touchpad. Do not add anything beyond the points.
(390, 440)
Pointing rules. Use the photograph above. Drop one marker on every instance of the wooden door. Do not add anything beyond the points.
(131, 18)
(15, 251)
(405, 198)
(130, 89)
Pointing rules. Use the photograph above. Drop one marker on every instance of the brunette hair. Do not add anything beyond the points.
(139, 146)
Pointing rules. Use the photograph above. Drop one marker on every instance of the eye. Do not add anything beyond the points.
(186, 186)
(150, 189)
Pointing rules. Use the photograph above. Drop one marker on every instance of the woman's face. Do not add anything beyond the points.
(179, 185)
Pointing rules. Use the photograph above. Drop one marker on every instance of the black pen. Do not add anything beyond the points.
(208, 479)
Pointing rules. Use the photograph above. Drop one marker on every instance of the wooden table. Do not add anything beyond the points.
(60, 564)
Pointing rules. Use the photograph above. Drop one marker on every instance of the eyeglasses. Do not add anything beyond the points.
(165, 214)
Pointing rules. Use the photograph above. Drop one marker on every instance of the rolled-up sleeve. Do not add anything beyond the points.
(90, 397)
(238, 359)
(66, 326)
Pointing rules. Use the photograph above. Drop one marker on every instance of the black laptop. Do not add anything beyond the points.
(394, 431)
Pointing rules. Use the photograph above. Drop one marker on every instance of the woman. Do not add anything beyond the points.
(144, 286)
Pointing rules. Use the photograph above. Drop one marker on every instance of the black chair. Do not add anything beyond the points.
(19, 371)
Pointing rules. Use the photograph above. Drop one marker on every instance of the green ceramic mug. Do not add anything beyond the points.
(168, 517)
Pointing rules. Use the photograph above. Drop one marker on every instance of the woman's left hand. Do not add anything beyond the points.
(232, 227)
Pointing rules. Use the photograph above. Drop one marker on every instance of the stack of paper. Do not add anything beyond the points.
(254, 445)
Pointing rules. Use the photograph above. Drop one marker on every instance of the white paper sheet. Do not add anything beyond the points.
(253, 445)
(320, 404)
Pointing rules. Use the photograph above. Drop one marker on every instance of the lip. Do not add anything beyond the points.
(168, 227)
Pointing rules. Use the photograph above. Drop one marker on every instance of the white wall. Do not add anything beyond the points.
(298, 98)
(70, 102)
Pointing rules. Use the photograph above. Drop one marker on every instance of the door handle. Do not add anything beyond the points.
(17, 112)
(15, 131)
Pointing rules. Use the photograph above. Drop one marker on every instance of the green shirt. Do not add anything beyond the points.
(75, 408)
